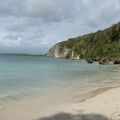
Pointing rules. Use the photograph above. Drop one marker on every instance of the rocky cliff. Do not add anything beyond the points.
(56, 52)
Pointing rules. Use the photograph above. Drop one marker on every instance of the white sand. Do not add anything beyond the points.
(105, 104)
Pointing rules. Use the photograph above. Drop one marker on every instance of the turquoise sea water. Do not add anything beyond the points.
(24, 76)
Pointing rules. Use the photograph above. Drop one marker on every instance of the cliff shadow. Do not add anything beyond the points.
(67, 116)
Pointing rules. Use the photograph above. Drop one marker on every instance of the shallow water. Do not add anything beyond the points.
(25, 76)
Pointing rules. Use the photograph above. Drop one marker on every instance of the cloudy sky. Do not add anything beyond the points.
(33, 26)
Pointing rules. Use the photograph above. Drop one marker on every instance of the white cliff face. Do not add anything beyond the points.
(74, 57)
(55, 52)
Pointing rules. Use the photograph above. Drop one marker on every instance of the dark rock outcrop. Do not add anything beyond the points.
(90, 61)
(116, 61)
(104, 61)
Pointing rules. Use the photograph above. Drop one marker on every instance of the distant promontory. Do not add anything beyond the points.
(102, 46)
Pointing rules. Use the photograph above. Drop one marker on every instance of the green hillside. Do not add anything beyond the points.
(95, 46)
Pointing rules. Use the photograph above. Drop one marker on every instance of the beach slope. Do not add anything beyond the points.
(105, 106)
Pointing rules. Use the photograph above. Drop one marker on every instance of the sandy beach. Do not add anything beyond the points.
(103, 106)
(106, 105)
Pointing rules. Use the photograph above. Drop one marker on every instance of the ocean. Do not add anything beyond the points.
(27, 76)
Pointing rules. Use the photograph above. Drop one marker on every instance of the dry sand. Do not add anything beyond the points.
(104, 106)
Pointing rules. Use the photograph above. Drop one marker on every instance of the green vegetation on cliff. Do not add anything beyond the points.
(101, 44)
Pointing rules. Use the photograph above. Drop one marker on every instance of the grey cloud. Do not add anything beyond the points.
(104, 14)
(23, 24)
(13, 36)
(52, 10)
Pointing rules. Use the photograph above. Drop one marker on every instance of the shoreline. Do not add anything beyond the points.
(94, 102)
(95, 93)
